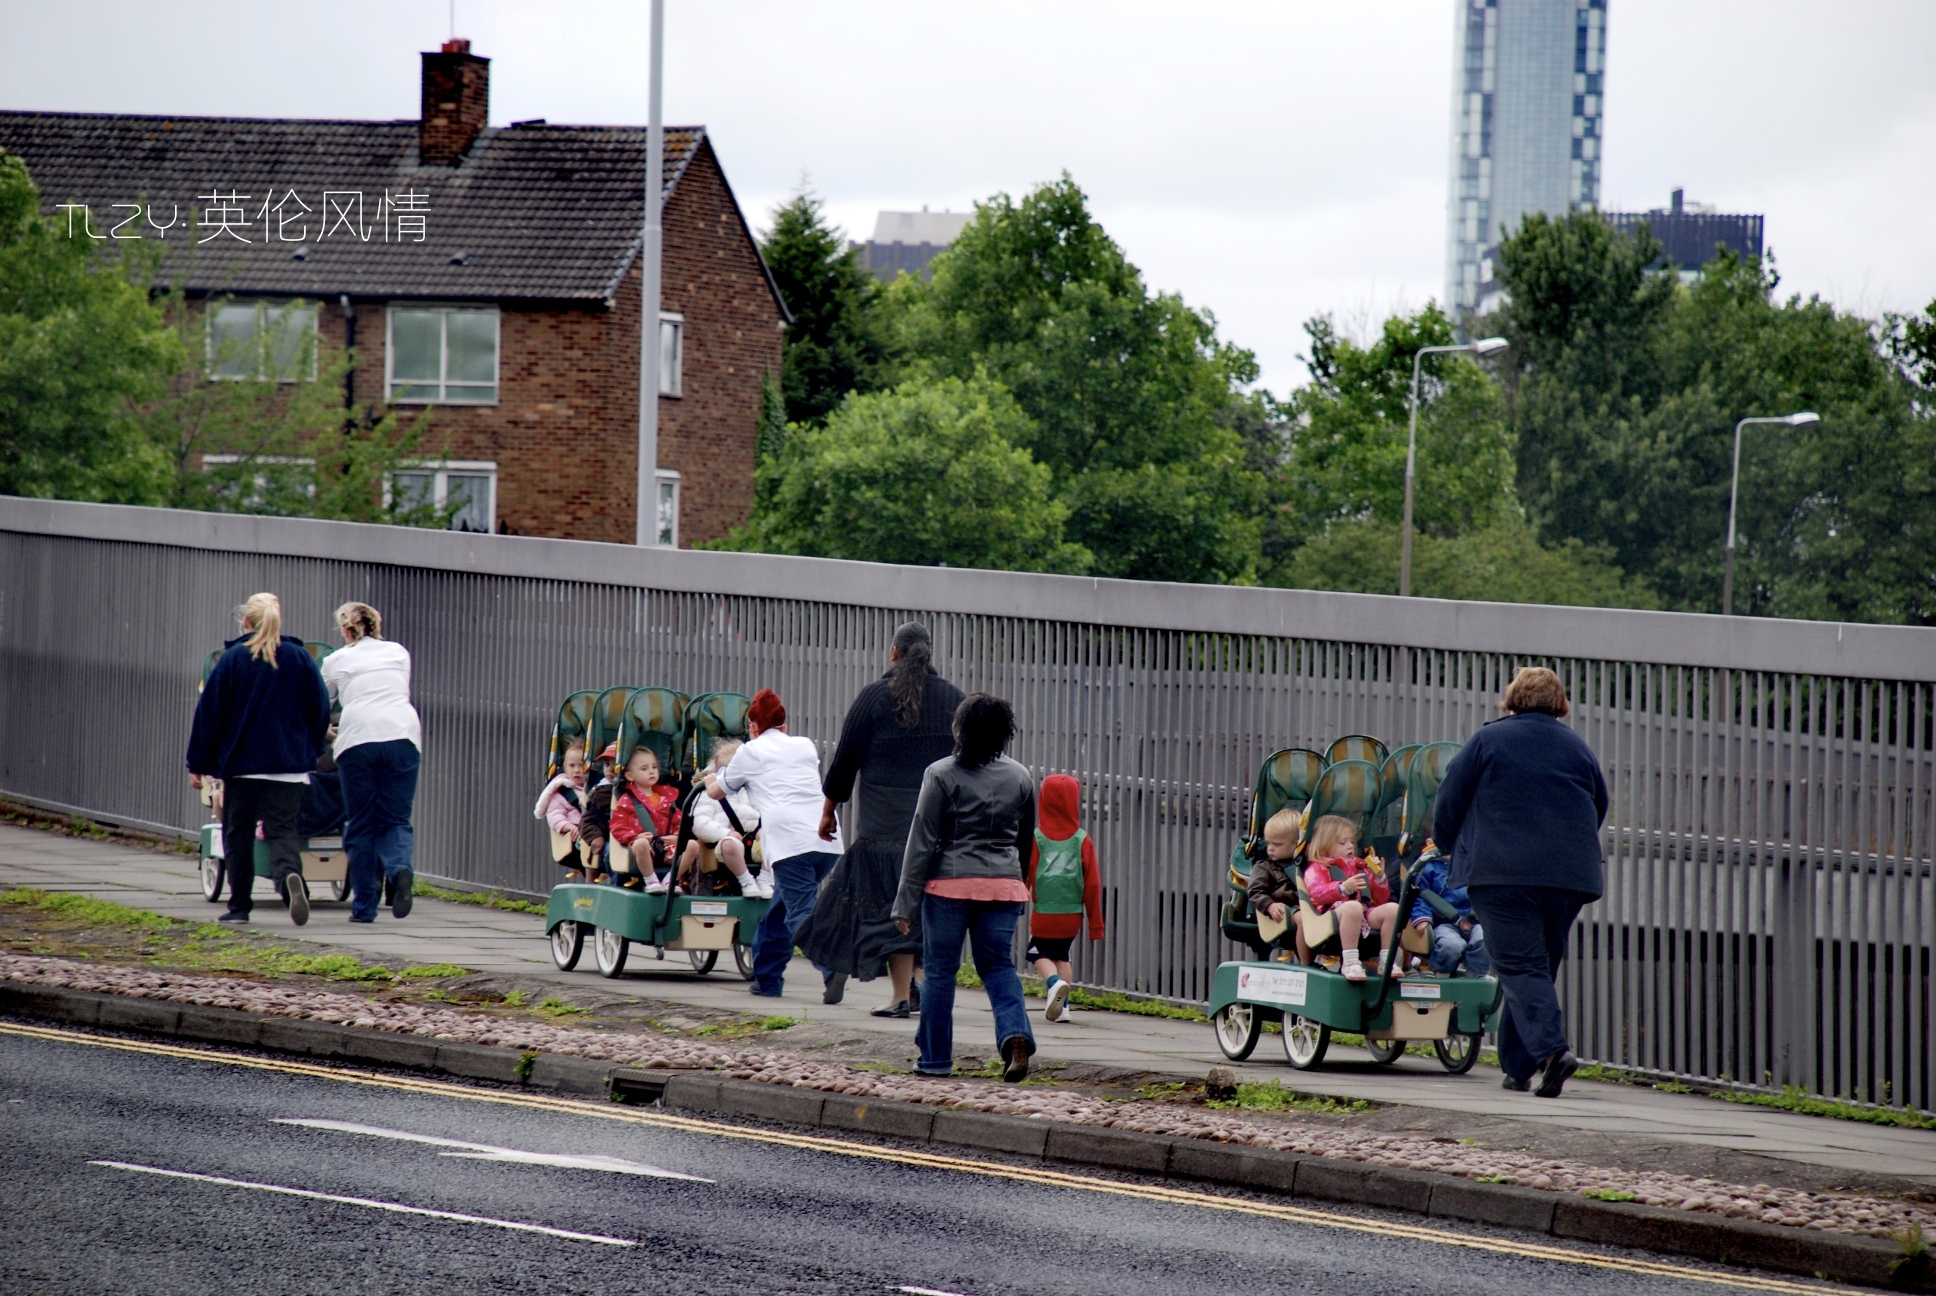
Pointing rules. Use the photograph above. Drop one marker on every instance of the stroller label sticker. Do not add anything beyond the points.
(1273, 985)
(709, 907)
(1411, 990)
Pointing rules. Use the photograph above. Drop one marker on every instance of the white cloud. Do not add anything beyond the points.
(1266, 160)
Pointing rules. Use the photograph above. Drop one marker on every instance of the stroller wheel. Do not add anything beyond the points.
(339, 891)
(743, 960)
(609, 950)
(1385, 1052)
(1457, 1053)
(214, 869)
(1305, 1041)
(567, 943)
(703, 960)
(1237, 1025)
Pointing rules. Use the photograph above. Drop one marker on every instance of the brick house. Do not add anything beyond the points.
(492, 273)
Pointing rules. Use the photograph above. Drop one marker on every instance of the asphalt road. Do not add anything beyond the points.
(423, 1186)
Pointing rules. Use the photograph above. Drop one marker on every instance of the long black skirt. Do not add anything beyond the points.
(852, 929)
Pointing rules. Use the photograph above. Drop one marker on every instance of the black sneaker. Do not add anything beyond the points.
(1517, 1086)
(233, 917)
(297, 893)
(836, 989)
(400, 894)
(1016, 1051)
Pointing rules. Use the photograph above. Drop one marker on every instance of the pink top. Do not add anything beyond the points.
(979, 889)
(1325, 891)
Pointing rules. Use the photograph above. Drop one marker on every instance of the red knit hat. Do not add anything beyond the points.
(767, 711)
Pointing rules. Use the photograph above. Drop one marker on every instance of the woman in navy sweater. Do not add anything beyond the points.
(259, 726)
(1520, 813)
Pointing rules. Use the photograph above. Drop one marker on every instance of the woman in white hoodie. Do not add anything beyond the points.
(724, 824)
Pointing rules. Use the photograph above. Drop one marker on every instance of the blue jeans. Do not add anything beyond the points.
(796, 886)
(1526, 931)
(989, 926)
(1449, 949)
(379, 787)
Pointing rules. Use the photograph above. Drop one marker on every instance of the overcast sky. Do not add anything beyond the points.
(1269, 161)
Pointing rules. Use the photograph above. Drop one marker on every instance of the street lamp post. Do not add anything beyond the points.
(1484, 347)
(653, 236)
(1802, 419)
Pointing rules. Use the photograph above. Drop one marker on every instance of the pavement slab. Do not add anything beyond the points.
(1611, 1123)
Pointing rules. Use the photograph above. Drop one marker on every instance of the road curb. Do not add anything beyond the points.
(1718, 1239)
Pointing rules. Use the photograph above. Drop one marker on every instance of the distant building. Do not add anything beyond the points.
(1528, 90)
(909, 241)
(1690, 233)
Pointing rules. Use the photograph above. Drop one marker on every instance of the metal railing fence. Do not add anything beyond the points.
(1770, 907)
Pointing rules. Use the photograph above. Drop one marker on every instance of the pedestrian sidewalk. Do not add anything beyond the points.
(513, 944)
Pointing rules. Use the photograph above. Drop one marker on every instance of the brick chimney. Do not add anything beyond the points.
(456, 103)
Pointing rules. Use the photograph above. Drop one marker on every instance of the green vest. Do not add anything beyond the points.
(1058, 874)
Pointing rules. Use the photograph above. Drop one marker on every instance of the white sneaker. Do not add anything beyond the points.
(1354, 969)
(749, 886)
(655, 887)
(766, 884)
(1058, 1005)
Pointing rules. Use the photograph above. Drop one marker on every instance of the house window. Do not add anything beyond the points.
(468, 488)
(262, 341)
(445, 355)
(672, 345)
(668, 509)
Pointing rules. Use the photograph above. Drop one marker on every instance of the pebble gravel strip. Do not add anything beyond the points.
(1837, 1212)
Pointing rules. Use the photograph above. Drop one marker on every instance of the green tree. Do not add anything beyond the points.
(1129, 393)
(80, 345)
(931, 472)
(834, 345)
(1502, 562)
(1624, 394)
(1352, 425)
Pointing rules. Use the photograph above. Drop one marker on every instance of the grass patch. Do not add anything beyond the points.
(426, 970)
(1274, 1097)
(777, 1023)
(1115, 1001)
(553, 1006)
(1608, 1194)
(515, 999)
(967, 978)
(1796, 1100)
(488, 899)
(87, 908)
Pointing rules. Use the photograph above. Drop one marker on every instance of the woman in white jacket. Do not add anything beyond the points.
(377, 753)
(712, 825)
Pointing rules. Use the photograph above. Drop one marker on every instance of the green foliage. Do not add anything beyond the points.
(1274, 1097)
(80, 347)
(1503, 563)
(928, 473)
(1608, 1194)
(426, 971)
(1128, 392)
(1795, 1099)
(1624, 395)
(489, 899)
(834, 345)
(103, 912)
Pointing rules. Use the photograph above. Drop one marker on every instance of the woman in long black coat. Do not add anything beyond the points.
(1520, 812)
(897, 727)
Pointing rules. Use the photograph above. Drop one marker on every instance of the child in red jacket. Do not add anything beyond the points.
(1355, 890)
(645, 818)
(1064, 883)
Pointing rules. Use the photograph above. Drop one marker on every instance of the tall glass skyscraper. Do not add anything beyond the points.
(1527, 92)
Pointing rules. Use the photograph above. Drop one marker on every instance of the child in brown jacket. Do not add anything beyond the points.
(1273, 883)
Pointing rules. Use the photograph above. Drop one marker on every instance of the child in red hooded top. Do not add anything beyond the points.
(1064, 882)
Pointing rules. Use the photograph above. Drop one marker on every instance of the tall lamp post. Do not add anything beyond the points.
(1483, 347)
(1802, 419)
(648, 513)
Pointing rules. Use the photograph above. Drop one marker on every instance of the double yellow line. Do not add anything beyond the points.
(1434, 1234)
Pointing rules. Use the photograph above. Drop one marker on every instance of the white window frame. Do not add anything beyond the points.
(669, 489)
(439, 471)
(445, 310)
(261, 480)
(262, 306)
(677, 351)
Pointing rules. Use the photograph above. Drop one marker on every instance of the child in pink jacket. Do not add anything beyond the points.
(1354, 889)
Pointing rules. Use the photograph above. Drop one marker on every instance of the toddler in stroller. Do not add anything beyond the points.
(1273, 888)
(645, 820)
(562, 806)
(727, 827)
(1352, 890)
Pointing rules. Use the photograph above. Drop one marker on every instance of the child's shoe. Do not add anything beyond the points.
(1058, 1005)
(656, 886)
(1354, 966)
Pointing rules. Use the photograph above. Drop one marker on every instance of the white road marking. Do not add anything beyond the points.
(396, 1207)
(927, 1291)
(485, 1152)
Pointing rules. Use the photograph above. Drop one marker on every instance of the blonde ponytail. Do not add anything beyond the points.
(262, 617)
(359, 621)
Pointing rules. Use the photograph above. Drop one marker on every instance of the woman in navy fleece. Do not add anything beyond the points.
(1520, 812)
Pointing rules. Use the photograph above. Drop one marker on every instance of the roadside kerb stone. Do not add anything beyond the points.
(1842, 1257)
(150, 1016)
(872, 1116)
(1117, 1149)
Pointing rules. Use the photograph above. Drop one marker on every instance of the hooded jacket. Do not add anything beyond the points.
(254, 718)
(1057, 819)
